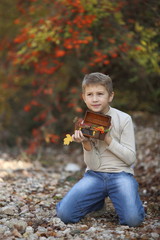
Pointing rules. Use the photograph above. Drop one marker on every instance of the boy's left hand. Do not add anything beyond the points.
(108, 138)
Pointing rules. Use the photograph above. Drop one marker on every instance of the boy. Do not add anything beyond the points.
(109, 163)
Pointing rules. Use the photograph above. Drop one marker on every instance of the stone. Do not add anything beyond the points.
(30, 236)
(155, 235)
(72, 167)
(8, 210)
(24, 209)
(3, 229)
(92, 229)
(42, 229)
(20, 225)
(29, 229)
(15, 233)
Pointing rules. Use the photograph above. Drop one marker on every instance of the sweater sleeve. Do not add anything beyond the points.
(92, 158)
(125, 149)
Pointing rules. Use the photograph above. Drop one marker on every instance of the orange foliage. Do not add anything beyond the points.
(79, 109)
(53, 138)
(59, 53)
(41, 116)
(27, 108)
(67, 31)
(21, 38)
(17, 21)
(32, 147)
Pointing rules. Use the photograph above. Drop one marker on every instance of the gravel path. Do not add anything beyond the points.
(30, 191)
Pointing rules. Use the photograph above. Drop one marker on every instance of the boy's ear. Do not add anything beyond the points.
(111, 97)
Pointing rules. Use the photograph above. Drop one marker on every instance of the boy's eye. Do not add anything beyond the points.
(100, 93)
(89, 94)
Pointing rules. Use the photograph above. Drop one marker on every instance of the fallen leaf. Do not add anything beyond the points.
(68, 139)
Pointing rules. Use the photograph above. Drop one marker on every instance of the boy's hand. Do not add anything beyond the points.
(78, 137)
(108, 138)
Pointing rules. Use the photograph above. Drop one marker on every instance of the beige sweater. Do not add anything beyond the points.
(120, 155)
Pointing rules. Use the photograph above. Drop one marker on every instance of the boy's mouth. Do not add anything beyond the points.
(96, 105)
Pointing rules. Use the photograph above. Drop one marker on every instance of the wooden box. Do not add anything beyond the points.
(94, 125)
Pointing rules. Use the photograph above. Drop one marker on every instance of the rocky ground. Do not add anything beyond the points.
(29, 191)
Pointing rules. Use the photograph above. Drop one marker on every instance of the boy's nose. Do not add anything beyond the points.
(94, 98)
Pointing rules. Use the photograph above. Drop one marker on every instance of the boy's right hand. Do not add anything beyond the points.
(78, 137)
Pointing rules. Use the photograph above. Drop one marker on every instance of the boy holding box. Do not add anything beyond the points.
(109, 163)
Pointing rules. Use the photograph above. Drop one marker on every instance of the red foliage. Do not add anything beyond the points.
(41, 116)
(138, 48)
(77, 21)
(32, 147)
(27, 108)
(5, 85)
(35, 132)
(78, 109)
(74, 90)
(53, 138)
(106, 62)
(21, 38)
(59, 53)
(17, 21)
(67, 30)
(114, 55)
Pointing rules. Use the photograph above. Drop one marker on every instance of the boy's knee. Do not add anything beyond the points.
(65, 215)
(134, 220)
(62, 214)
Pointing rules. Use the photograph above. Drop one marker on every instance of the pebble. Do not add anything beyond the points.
(155, 235)
(72, 167)
(20, 225)
(8, 210)
(92, 229)
(29, 229)
(3, 229)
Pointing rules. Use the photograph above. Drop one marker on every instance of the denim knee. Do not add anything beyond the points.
(134, 220)
(65, 215)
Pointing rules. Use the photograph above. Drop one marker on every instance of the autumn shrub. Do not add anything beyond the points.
(57, 42)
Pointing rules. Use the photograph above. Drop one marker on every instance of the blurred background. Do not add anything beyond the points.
(46, 48)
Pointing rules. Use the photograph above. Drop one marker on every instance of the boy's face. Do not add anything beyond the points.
(97, 98)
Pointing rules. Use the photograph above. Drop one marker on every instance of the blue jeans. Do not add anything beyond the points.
(90, 192)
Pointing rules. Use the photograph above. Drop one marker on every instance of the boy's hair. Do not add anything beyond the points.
(98, 78)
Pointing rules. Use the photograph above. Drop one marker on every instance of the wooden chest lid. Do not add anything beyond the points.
(97, 118)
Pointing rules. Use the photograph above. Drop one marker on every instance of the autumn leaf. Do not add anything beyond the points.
(101, 129)
(67, 139)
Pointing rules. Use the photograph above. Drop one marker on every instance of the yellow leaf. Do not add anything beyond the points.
(101, 128)
(143, 43)
(67, 139)
(47, 138)
(138, 27)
